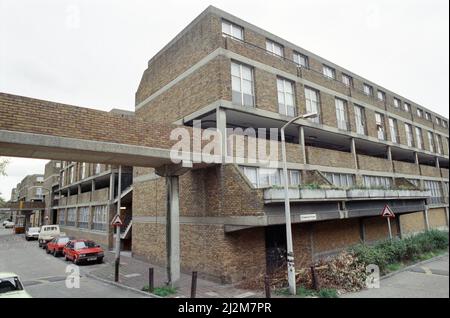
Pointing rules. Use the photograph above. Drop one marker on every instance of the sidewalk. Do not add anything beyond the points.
(134, 274)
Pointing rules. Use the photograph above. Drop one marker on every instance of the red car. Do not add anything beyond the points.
(56, 245)
(83, 251)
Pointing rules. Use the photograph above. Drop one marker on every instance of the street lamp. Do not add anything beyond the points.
(287, 208)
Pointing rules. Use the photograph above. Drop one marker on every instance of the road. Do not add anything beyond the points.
(427, 280)
(45, 276)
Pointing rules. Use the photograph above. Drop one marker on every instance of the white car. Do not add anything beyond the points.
(11, 287)
(8, 224)
(32, 233)
(48, 233)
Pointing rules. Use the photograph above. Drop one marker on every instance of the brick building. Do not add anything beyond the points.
(367, 147)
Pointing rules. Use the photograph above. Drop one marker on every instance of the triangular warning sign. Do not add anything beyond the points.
(387, 212)
(116, 221)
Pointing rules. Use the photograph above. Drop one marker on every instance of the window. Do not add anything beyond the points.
(72, 174)
(39, 192)
(83, 170)
(83, 221)
(368, 90)
(397, 102)
(393, 129)
(409, 135)
(301, 60)
(312, 104)
(436, 191)
(341, 114)
(438, 144)
(347, 80)
(428, 116)
(71, 216)
(242, 84)
(63, 178)
(232, 30)
(444, 124)
(274, 48)
(379, 121)
(100, 218)
(431, 141)
(58, 165)
(263, 178)
(360, 120)
(419, 112)
(438, 121)
(40, 179)
(286, 103)
(342, 180)
(374, 182)
(98, 168)
(407, 107)
(329, 72)
(381, 96)
(419, 138)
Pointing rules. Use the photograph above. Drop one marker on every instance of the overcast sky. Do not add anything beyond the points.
(92, 53)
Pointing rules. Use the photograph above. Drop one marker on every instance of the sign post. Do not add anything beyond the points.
(117, 223)
(388, 214)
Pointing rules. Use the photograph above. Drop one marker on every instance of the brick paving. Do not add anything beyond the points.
(134, 273)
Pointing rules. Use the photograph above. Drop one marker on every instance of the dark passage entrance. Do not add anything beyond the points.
(275, 247)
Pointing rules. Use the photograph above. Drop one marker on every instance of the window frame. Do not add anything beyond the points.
(349, 78)
(369, 88)
(309, 102)
(330, 69)
(241, 83)
(284, 81)
(299, 57)
(341, 110)
(274, 44)
(232, 27)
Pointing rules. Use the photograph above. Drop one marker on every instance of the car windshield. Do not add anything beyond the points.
(33, 229)
(9, 285)
(63, 240)
(82, 245)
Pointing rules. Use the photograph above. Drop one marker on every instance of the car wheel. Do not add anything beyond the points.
(66, 258)
(100, 260)
(26, 238)
(55, 253)
(47, 251)
(76, 261)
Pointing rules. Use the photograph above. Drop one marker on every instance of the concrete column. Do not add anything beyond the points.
(446, 216)
(427, 221)
(111, 211)
(301, 134)
(173, 231)
(221, 123)
(437, 163)
(353, 150)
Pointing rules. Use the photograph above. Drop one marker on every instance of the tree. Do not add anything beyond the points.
(3, 164)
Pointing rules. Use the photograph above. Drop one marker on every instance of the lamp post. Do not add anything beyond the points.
(287, 208)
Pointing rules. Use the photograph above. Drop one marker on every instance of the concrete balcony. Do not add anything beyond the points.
(273, 195)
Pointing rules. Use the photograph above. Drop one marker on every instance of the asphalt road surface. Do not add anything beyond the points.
(44, 276)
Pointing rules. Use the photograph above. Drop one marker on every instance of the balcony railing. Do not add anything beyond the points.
(295, 194)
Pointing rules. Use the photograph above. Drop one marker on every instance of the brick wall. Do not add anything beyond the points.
(437, 218)
(376, 228)
(331, 158)
(412, 222)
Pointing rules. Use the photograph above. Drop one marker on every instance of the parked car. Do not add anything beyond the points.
(8, 225)
(5, 221)
(11, 286)
(48, 233)
(56, 245)
(32, 233)
(83, 251)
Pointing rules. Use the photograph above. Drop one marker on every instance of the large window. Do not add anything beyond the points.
(347, 80)
(263, 177)
(393, 129)
(409, 135)
(431, 141)
(62, 217)
(382, 96)
(397, 102)
(233, 30)
(419, 113)
(312, 104)
(419, 138)
(360, 120)
(379, 121)
(100, 219)
(71, 216)
(242, 84)
(407, 107)
(301, 60)
(286, 100)
(436, 191)
(329, 72)
(274, 48)
(438, 144)
(83, 221)
(368, 90)
(342, 180)
(83, 170)
(376, 182)
(98, 168)
(341, 114)
(72, 174)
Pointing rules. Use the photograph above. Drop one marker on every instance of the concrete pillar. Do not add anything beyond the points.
(427, 221)
(111, 211)
(221, 123)
(438, 166)
(355, 155)
(173, 231)
(446, 216)
(301, 136)
(362, 230)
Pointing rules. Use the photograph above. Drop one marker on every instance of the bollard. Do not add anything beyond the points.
(194, 284)
(314, 278)
(116, 270)
(267, 286)
(150, 280)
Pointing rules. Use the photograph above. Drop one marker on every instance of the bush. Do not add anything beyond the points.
(327, 293)
(397, 251)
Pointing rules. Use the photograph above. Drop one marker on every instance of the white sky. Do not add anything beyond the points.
(92, 53)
